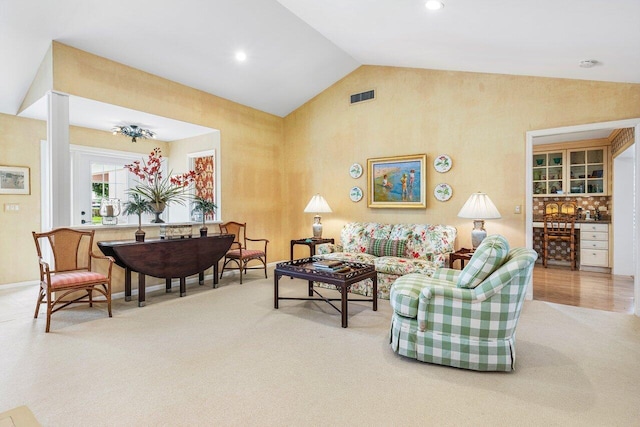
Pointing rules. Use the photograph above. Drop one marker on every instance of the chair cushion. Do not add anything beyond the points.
(246, 253)
(60, 280)
(490, 255)
(385, 247)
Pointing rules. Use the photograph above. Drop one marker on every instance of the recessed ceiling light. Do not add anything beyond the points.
(588, 63)
(241, 56)
(434, 5)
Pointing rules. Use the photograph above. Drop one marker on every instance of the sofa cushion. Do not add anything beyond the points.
(490, 255)
(399, 266)
(349, 257)
(426, 241)
(354, 236)
(386, 247)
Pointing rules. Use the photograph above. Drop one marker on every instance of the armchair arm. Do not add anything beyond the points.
(104, 258)
(327, 248)
(448, 274)
(266, 241)
(45, 270)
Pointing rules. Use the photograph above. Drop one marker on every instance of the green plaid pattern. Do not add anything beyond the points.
(385, 247)
(405, 293)
(466, 328)
(489, 256)
(448, 274)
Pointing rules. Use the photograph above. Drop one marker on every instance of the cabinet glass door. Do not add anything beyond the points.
(548, 169)
(586, 171)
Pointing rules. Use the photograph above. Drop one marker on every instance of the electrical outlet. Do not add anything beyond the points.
(517, 209)
(11, 207)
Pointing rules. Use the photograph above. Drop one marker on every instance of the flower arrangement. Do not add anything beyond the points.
(154, 187)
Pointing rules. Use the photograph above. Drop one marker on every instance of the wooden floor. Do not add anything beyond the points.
(600, 291)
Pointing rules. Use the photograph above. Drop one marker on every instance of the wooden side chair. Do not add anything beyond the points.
(559, 228)
(239, 253)
(72, 271)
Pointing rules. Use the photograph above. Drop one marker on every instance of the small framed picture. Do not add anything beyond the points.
(14, 180)
(397, 182)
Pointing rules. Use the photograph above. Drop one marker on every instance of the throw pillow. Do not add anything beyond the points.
(385, 247)
(486, 259)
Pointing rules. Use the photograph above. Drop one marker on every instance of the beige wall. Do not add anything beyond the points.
(251, 143)
(272, 166)
(480, 120)
(20, 146)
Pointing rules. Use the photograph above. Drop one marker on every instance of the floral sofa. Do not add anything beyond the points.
(394, 250)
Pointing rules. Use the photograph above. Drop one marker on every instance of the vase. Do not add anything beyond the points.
(203, 231)
(140, 235)
(158, 208)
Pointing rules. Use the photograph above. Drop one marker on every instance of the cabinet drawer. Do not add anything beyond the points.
(594, 244)
(604, 228)
(594, 257)
(593, 235)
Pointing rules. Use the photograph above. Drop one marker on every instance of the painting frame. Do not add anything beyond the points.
(15, 180)
(397, 182)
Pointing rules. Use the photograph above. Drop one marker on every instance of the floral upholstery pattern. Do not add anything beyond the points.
(427, 248)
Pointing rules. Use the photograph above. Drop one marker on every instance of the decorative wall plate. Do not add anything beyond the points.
(443, 192)
(355, 194)
(355, 170)
(442, 163)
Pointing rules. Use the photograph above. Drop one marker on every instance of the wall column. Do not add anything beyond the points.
(60, 161)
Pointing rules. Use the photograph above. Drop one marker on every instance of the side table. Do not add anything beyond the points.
(462, 254)
(312, 242)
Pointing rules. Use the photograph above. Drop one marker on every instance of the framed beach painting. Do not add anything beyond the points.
(14, 180)
(397, 182)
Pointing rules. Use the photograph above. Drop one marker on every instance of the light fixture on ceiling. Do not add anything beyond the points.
(134, 132)
(241, 56)
(434, 4)
(588, 63)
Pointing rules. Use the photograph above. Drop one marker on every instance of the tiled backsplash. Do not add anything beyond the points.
(587, 203)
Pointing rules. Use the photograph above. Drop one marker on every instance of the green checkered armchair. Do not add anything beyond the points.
(440, 320)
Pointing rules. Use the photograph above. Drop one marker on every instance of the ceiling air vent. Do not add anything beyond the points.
(364, 96)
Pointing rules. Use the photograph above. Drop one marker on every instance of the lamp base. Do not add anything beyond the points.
(478, 233)
(317, 227)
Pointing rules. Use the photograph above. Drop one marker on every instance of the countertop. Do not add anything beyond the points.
(539, 222)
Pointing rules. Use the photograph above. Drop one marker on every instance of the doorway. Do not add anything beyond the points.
(561, 134)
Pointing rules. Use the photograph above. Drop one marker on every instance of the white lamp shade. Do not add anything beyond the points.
(317, 204)
(479, 206)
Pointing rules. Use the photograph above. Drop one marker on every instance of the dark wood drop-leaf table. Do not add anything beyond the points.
(167, 259)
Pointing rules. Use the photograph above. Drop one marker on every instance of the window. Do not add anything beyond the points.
(98, 175)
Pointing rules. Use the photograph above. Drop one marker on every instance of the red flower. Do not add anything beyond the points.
(153, 186)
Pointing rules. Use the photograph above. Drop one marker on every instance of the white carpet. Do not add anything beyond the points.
(227, 357)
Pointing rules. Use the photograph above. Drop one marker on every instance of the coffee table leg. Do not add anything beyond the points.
(275, 290)
(183, 286)
(167, 284)
(344, 306)
(375, 292)
(310, 287)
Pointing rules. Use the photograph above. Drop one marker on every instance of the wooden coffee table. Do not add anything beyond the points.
(304, 269)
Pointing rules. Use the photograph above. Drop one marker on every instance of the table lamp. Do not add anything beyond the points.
(317, 205)
(479, 207)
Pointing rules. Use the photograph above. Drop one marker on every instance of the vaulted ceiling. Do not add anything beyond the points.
(297, 48)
